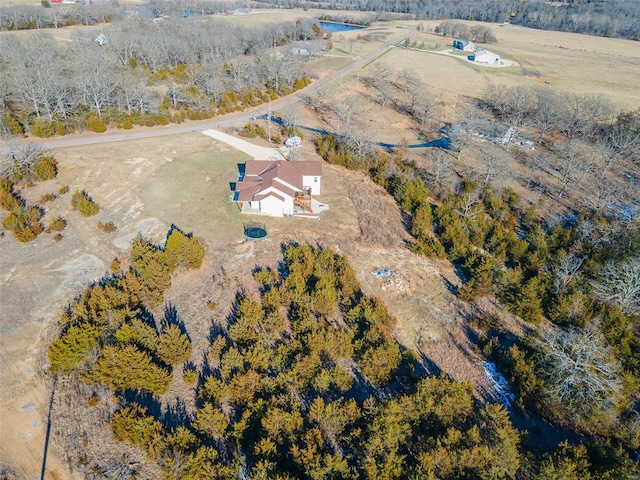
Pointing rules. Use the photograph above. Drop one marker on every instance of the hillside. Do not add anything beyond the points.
(448, 300)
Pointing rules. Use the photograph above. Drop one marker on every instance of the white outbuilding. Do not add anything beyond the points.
(485, 56)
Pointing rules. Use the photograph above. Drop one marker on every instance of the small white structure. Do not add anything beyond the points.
(277, 188)
(292, 142)
(485, 56)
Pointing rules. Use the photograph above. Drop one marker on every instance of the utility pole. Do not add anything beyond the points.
(269, 122)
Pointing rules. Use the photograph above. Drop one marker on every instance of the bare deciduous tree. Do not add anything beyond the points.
(619, 283)
(343, 114)
(95, 77)
(134, 93)
(238, 72)
(582, 113)
(492, 165)
(571, 165)
(439, 171)
(513, 106)
(278, 70)
(564, 269)
(546, 116)
(580, 370)
(19, 157)
(359, 140)
(470, 204)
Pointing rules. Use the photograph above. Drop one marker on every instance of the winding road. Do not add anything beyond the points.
(88, 138)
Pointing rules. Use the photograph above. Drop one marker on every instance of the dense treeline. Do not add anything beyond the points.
(144, 72)
(26, 17)
(613, 18)
(304, 381)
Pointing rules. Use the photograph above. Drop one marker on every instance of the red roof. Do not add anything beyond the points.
(281, 175)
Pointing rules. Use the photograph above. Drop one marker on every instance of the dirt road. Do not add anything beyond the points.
(89, 138)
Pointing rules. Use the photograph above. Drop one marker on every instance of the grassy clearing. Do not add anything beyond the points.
(193, 192)
(261, 17)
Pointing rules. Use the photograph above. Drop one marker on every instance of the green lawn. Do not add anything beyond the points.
(193, 192)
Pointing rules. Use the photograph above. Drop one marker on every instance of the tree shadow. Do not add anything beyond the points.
(451, 288)
(47, 436)
(171, 318)
(216, 330)
(175, 415)
(361, 388)
(425, 367)
(145, 400)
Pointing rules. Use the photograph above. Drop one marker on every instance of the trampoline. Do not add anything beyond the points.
(255, 232)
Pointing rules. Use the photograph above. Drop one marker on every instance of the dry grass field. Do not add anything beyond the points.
(260, 17)
(564, 61)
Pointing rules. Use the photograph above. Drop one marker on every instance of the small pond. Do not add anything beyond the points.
(331, 27)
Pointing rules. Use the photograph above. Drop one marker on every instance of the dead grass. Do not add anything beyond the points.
(379, 217)
(261, 17)
(143, 186)
(564, 61)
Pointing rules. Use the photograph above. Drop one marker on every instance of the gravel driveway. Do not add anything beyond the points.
(256, 151)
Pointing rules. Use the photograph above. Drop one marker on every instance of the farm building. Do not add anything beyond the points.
(485, 56)
(279, 188)
(463, 44)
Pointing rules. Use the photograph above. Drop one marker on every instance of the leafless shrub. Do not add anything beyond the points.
(48, 197)
(108, 227)
(83, 434)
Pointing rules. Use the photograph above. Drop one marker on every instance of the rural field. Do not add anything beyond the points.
(147, 185)
(566, 62)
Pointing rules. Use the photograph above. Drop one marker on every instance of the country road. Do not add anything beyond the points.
(89, 138)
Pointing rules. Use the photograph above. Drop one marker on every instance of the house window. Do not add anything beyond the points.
(315, 179)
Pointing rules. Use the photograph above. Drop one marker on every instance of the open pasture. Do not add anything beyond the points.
(563, 61)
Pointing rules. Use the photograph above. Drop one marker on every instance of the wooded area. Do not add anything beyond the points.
(304, 378)
(303, 381)
(145, 73)
(613, 18)
(579, 271)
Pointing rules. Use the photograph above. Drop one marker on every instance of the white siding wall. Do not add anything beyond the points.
(313, 182)
(275, 207)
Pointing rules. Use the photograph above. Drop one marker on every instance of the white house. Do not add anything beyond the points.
(278, 188)
(485, 56)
